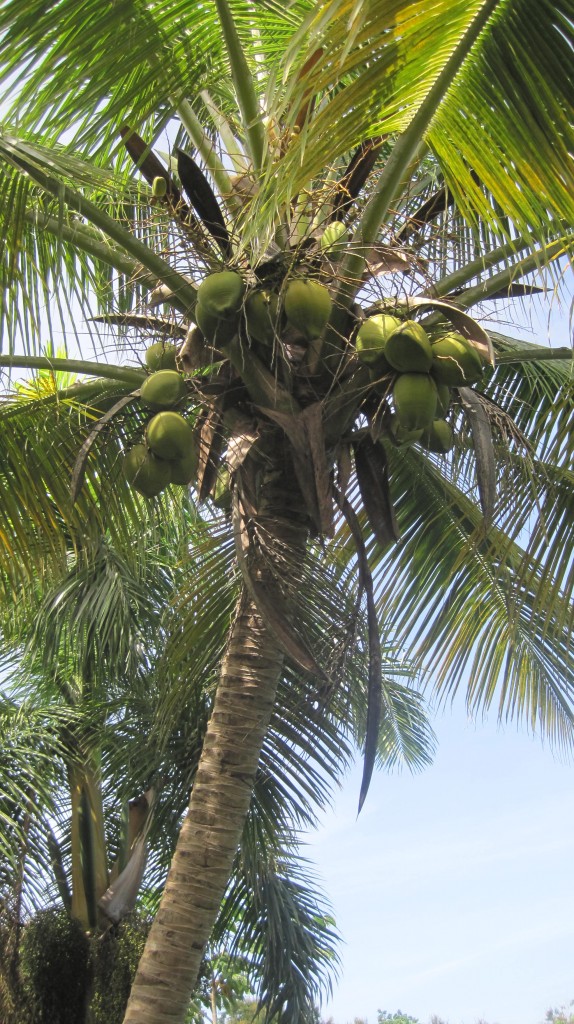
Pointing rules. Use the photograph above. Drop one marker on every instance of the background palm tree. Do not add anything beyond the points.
(437, 140)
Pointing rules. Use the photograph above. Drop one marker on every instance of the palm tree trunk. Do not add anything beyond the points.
(89, 856)
(220, 798)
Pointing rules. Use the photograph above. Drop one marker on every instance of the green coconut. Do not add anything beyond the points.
(415, 398)
(147, 474)
(408, 348)
(221, 294)
(169, 435)
(372, 338)
(439, 437)
(402, 436)
(216, 330)
(163, 389)
(261, 314)
(184, 471)
(307, 306)
(161, 356)
(334, 237)
(158, 187)
(443, 399)
(455, 361)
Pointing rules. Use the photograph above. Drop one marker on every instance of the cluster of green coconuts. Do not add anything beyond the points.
(421, 368)
(426, 366)
(223, 297)
(168, 454)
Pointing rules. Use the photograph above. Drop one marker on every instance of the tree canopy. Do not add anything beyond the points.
(344, 185)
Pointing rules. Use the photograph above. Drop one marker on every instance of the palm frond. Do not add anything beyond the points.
(280, 922)
(41, 442)
(488, 126)
(32, 743)
(382, 65)
(76, 239)
(102, 620)
(513, 649)
(137, 67)
(384, 68)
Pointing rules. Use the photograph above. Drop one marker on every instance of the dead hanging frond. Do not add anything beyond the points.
(353, 180)
(375, 681)
(209, 439)
(143, 322)
(308, 100)
(436, 204)
(196, 352)
(502, 421)
(306, 437)
(120, 897)
(373, 479)
(149, 165)
(152, 169)
(481, 430)
(203, 199)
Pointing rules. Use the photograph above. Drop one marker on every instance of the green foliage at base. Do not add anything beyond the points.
(561, 1014)
(54, 965)
(115, 956)
(10, 984)
(66, 977)
(248, 1011)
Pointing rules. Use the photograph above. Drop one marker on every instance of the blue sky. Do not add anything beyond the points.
(454, 889)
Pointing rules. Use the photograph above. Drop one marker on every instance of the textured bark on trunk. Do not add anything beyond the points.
(219, 802)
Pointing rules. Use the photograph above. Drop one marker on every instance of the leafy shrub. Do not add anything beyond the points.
(114, 958)
(55, 969)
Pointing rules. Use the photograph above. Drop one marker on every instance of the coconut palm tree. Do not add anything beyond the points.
(344, 183)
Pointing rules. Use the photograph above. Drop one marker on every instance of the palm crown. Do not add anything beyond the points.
(347, 182)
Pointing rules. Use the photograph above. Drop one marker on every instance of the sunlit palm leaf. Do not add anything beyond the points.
(102, 619)
(381, 64)
(526, 53)
(166, 55)
(42, 440)
(387, 61)
(41, 445)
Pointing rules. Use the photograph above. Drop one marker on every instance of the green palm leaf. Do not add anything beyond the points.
(445, 569)
(33, 742)
(283, 925)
